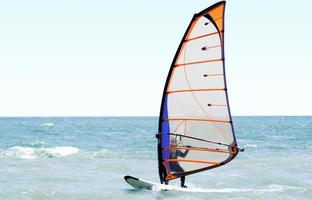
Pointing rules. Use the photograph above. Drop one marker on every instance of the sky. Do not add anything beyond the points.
(111, 58)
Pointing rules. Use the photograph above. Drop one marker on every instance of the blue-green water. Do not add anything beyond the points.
(86, 158)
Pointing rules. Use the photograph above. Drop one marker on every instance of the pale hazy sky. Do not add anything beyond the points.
(95, 57)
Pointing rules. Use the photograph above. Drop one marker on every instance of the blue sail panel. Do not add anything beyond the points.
(165, 133)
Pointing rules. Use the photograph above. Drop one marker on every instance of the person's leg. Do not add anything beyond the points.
(175, 167)
(183, 182)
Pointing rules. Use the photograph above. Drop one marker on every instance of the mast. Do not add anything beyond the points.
(195, 130)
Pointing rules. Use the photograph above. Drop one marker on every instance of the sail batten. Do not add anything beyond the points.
(195, 125)
(206, 35)
(193, 161)
(197, 90)
(196, 119)
(199, 149)
(198, 62)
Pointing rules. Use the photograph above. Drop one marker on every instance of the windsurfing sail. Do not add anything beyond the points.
(195, 125)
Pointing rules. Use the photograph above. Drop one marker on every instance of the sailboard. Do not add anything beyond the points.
(195, 130)
(137, 183)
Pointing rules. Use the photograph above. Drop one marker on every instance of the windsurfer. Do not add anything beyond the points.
(174, 154)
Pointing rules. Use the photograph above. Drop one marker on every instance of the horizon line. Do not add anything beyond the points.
(43, 116)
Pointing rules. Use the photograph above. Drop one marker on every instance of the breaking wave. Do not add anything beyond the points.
(33, 153)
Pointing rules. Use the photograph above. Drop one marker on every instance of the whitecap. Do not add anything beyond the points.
(60, 151)
(20, 152)
(47, 124)
(33, 153)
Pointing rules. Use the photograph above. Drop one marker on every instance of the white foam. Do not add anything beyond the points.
(213, 190)
(61, 151)
(47, 124)
(20, 152)
(270, 188)
(281, 188)
(33, 153)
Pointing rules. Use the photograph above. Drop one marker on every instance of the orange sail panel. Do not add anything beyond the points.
(195, 125)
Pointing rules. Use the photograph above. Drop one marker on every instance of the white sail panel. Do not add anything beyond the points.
(202, 129)
(202, 26)
(210, 105)
(201, 49)
(198, 76)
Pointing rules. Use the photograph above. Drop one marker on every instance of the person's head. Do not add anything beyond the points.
(173, 141)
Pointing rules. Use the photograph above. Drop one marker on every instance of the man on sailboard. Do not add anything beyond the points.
(174, 154)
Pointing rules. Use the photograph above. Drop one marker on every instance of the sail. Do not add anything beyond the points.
(195, 125)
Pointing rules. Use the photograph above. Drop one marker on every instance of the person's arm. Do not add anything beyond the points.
(183, 154)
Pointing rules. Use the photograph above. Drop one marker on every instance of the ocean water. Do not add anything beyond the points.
(86, 158)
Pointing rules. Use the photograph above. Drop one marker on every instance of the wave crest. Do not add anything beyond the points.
(33, 153)
(47, 124)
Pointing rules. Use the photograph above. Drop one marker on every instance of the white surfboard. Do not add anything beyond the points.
(148, 185)
(141, 184)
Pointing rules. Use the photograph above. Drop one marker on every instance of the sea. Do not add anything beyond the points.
(86, 158)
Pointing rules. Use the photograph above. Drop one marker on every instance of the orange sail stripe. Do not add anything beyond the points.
(195, 161)
(198, 62)
(195, 90)
(217, 13)
(206, 35)
(198, 149)
(194, 119)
